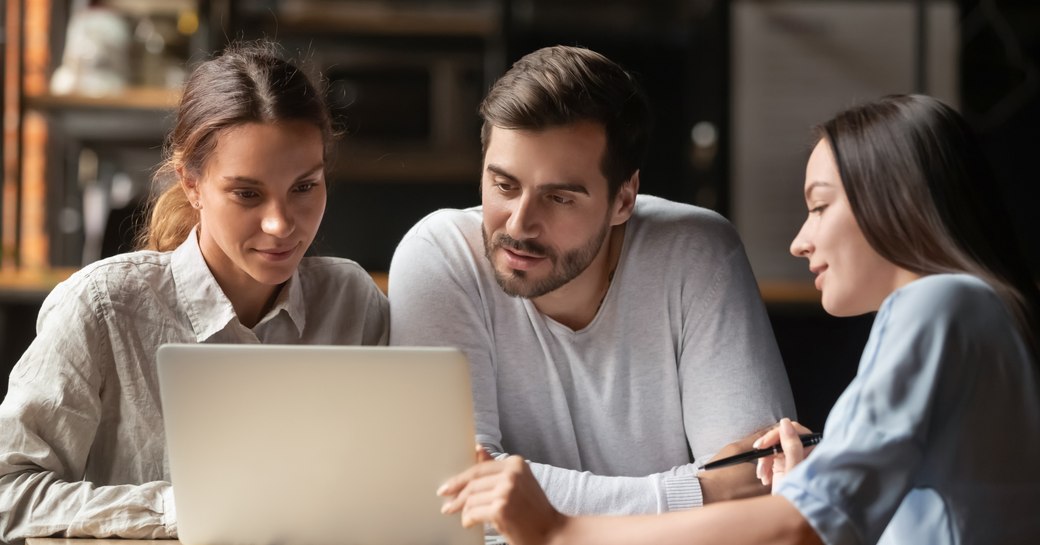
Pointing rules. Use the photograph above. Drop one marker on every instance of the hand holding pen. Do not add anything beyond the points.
(807, 439)
(788, 435)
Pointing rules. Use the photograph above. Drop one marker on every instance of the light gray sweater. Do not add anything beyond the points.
(679, 361)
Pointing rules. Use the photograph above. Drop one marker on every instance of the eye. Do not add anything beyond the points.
(245, 194)
(560, 199)
(818, 209)
(305, 187)
(503, 186)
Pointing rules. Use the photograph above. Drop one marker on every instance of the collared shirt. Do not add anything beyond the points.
(935, 439)
(82, 449)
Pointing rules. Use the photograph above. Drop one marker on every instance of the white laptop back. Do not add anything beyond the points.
(309, 445)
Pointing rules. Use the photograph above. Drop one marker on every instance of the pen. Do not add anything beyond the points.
(807, 439)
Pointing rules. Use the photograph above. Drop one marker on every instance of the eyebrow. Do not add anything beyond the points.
(252, 181)
(814, 185)
(560, 186)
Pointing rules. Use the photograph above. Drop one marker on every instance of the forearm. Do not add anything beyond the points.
(583, 493)
(769, 519)
(36, 503)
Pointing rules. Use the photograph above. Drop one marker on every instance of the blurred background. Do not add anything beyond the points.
(88, 90)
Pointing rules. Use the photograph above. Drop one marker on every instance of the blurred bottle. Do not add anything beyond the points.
(96, 57)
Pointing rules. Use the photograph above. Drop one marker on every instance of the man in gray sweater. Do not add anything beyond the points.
(616, 341)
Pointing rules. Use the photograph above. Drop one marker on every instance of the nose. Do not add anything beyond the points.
(523, 222)
(801, 246)
(278, 221)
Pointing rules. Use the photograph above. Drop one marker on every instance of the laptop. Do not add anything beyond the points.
(315, 445)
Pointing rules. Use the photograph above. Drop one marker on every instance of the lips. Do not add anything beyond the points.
(818, 271)
(518, 260)
(276, 254)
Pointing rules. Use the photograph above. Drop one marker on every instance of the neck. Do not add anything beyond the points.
(576, 303)
(252, 302)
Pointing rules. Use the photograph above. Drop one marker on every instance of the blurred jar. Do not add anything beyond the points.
(96, 58)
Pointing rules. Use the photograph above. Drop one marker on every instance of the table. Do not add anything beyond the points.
(67, 541)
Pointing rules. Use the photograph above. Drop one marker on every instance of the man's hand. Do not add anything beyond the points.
(733, 482)
(506, 495)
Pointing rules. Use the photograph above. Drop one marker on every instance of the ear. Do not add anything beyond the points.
(189, 185)
(625, 200)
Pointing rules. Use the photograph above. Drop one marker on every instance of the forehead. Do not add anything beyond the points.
(268, 147)
(572, 151)
(821, 171)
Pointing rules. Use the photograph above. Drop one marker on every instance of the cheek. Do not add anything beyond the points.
(495, 215)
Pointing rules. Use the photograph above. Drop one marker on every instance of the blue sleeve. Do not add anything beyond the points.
(876, 436)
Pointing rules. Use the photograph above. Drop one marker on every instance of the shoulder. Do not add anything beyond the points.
(954, 307)
(681, 219)
(335, 274)
(119, 273)
(669, 230)
(950, 296)
(445, 236)
(447, 221)
(118, 278)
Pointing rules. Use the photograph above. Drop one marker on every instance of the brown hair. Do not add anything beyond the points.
(247, 83)
(560, 85)
(925, 198)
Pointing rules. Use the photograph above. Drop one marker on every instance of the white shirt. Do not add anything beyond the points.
(679, 360)
(936, 439)
(82, 449)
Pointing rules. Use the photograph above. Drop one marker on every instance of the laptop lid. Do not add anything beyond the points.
(315, 444)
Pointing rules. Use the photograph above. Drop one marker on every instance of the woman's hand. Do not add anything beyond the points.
(506, 495)
(772, 469)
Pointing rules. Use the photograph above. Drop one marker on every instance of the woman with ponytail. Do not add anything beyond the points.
(239, 199)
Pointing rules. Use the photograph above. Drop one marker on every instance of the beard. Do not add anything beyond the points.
(565, 267)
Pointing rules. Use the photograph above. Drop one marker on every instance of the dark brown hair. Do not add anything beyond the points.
(925, 198)
(560, 85)
(247, 83)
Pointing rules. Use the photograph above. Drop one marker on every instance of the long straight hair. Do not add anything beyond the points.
(925, 198)
(248, 83)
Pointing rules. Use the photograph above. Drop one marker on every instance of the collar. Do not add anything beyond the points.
(208, 308)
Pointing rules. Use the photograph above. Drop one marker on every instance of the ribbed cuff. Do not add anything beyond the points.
(169, 514)
(682, 492)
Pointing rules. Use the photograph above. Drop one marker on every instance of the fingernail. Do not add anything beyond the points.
(442, 489)
(757, 442)
(444, 508)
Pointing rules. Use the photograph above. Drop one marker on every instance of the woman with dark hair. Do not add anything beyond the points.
(240, 197)
(933, 441)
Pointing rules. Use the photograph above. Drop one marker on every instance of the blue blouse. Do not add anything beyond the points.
(936, 439)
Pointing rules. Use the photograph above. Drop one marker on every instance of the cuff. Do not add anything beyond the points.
(169, 514)
(682, 492)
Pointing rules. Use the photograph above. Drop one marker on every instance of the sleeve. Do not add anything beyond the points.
(49, 419)
(434, 302)
(854, 481)
(732, 377)
(578, 493)
(377, 315)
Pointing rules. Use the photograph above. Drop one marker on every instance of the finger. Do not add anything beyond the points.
(800, 428)
(474, 487)
(452, 486)
(768, 439)
(792, 445)
(486, 512)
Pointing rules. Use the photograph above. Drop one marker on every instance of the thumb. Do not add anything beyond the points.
(794, 452)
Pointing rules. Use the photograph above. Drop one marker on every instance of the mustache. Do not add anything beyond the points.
(525, 246)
